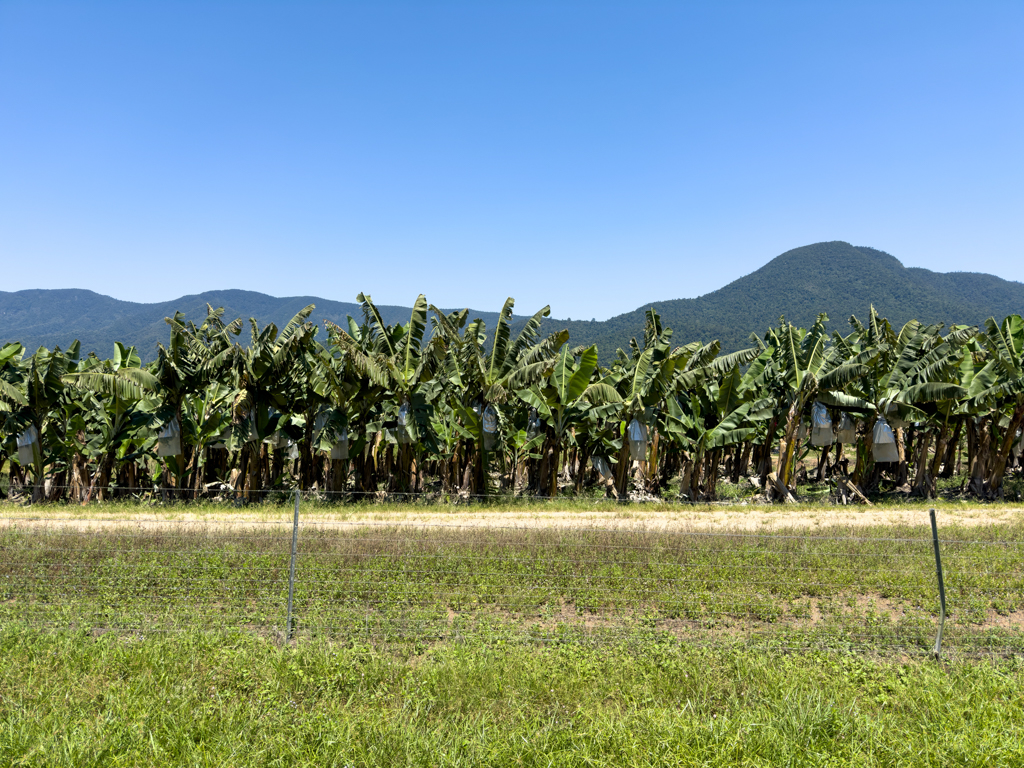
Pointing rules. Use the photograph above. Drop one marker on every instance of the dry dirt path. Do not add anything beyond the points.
(754, 518)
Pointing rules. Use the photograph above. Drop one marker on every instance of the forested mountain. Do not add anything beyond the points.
(834, 277)
(51, 317)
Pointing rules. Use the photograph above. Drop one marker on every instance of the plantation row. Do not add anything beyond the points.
(464, 410)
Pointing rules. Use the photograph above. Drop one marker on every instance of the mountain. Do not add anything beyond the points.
(57, 317)
(835, 277)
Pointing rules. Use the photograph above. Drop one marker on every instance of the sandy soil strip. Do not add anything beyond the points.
(759, 519)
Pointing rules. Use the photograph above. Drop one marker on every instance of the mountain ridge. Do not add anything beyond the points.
(832, 277)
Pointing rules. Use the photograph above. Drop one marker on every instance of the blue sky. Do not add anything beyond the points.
(596, 156)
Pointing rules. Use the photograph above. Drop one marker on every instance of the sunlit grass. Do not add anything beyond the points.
(235, 699)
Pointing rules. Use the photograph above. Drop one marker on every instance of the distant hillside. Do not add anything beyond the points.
(58, 317)
(834, 277)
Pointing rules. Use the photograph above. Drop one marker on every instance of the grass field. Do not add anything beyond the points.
(143, 635)
(236, 699)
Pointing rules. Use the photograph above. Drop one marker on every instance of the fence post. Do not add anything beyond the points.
(291, 569)
(942, 587)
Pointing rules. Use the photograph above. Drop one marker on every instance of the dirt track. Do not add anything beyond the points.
(754, 518)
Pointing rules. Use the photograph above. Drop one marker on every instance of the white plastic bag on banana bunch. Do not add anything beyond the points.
(884, 448)
(339, 449)
(168, 443)
(847, 431)
(28, 446)
(1018, 447)
(600, 463)
(637, 434)
(821, 425)
(490, 422)
(403, 424)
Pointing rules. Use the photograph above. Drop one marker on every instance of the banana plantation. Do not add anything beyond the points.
(444, 407)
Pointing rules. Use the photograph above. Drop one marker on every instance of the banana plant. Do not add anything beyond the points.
(194, 357)
(261, 379)
(43, 380)
(563, 401)
(486, 377)
(909, 375)
(998, 387)
(118, 384)
(717, 415)
(644, 377)
(394, 359)
(805, 369)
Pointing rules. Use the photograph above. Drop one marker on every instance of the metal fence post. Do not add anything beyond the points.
(942, 587)
(291, 569)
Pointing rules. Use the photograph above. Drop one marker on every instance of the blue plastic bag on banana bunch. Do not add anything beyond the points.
(884, 448)
(402, 433)
(847, 431)
(637, 434)
(28, 446)
(533, 425)
(168, 443)
(821, 425)
(600, 463)
(490, 422)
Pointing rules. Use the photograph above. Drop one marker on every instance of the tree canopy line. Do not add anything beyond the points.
(443, 405)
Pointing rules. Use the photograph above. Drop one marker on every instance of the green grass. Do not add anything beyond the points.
(162, 642)
(70, 699)
(871, 588)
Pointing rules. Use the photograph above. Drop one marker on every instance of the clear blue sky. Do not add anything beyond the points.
(596, 156)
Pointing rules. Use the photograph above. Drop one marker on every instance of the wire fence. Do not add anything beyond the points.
(290, 576)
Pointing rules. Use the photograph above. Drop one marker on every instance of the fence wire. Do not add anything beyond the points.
(384, 581)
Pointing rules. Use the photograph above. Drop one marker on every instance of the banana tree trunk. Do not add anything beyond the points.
(923, 480)
(711, 484)
(652, 484)
(550, 455)
(307, 467)
(903, 449)
(622, 470)
(994, 480)
(686, 478)
(581, 472)
(979, 438)
(864, 467)
(950, 454)
(940, 451)
(787, 449)
(696, 474)
(763, 454)
(742, 461)
(38, 467)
